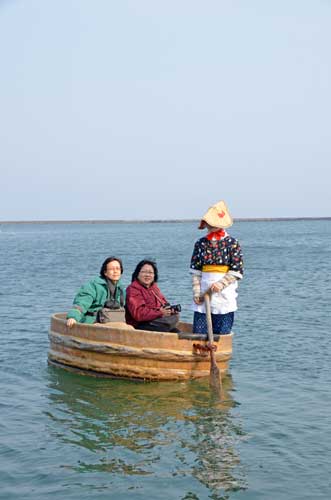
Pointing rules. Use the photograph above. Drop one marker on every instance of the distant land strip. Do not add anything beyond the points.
(159, 221)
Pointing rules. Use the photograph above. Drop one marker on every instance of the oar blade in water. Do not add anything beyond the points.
(215, 380)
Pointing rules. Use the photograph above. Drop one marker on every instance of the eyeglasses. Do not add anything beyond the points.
(151, 273)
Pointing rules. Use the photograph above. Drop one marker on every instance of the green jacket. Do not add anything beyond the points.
(90, 298)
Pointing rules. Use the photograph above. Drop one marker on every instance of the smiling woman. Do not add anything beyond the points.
(146, 307)
(103, 291)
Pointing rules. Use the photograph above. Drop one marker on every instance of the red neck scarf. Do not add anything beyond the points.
(216, 235)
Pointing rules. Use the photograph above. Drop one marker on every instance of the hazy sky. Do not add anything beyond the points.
(128, 109)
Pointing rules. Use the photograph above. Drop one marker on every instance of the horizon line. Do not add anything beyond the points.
(155, 221)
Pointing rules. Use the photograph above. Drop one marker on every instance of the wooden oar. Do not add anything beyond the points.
(215, 379)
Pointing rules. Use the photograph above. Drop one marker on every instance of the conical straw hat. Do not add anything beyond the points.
(217, 216)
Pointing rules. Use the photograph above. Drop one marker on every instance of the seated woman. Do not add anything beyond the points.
(103, 291)
(146, 308)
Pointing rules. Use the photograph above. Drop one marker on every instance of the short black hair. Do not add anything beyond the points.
(105, 264)
(141, 264)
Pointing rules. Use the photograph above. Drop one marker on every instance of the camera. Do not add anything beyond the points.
(176, 308)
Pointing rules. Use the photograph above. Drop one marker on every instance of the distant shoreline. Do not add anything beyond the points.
(160, 221)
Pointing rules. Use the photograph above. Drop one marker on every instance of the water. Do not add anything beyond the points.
(68, 436)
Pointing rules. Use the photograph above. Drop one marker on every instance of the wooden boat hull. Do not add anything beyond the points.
(118, 350)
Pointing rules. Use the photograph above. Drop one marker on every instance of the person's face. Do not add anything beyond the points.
(113, 270)
(146, 275)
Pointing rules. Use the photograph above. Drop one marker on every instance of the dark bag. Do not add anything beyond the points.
(164, 324)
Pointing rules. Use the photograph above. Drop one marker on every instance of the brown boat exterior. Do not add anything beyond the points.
(118, 350)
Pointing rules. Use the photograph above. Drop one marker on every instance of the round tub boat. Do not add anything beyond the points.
(118, 350)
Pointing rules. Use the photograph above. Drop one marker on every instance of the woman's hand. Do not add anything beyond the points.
(166, 311)
(71, 322)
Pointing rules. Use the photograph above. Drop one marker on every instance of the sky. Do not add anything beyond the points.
(146, 109)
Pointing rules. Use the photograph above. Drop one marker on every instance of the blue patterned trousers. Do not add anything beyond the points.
(222, 323)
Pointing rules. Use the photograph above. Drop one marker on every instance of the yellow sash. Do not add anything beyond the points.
(214, 268)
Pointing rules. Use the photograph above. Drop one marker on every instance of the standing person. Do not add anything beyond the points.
(146, 307)
(216, 265)
(105, 290)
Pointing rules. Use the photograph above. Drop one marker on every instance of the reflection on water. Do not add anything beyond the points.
(137, 429)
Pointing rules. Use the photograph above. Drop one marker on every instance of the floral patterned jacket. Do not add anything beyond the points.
(226, 252)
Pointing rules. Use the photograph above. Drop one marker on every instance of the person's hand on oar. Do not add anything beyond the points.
(199, 300)
(215, 379)
(219, 286)
(215, 287)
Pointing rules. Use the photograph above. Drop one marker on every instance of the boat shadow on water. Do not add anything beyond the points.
(170, 429)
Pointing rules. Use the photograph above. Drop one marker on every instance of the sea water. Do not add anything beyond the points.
(67, 436)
